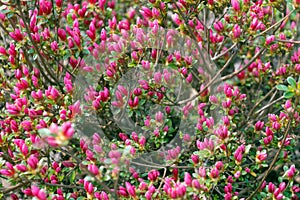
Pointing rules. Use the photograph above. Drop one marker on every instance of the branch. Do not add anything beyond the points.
(288, 41)
(259, 102)
(223, 53)
(270, 104)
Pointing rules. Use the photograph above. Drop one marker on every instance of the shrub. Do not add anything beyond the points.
(149, 99)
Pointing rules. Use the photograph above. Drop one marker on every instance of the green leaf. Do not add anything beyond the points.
(173, 66)
(291, 81)
(282, 87)
(69, 19)
(288, 95)
(72, 176)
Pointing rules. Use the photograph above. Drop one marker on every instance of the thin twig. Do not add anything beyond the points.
(288, 41)
(259, 102)
(268, 105)
(225, 52)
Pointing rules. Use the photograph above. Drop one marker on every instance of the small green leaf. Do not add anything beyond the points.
(173, 66)
(291, 81)
(73, 176)
(288, 95)
(69, 19)
(282, 87)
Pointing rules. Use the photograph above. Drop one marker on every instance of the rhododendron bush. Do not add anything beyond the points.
(149, 99)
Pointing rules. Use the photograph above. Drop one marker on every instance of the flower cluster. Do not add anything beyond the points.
(81, 83)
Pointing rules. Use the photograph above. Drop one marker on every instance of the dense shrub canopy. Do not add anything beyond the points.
(149, 99)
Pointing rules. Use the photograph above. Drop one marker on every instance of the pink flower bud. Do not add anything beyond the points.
(270, 39)
(54, 46)
(93, 169)
(282, 186)
(189, 78)
(214, 173)
(3, 51)
(88, 187)
(146, 12)
(259, 125)
(187, 179)
(142, 141)
(235, 5)
(130, 189)
(219, 26)
(291, 172)
(271, 187)
(62, 34)
(213, 99)
(276, 126)
(219, 165)
(58, 3)
(32, 161)
(26, 125)
(236, 30)
(195, 158)
(157, 77)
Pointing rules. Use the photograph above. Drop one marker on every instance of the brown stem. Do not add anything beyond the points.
(259, 102)
(225, 52)
(269, 104)
(288, 41)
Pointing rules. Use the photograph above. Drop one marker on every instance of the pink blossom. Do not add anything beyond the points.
(32, 161)
(130, 189)
(146, 12)
(88, 187)
(187, 179)
(93, 169)
(16, 35)
(219, 26)
(235, 5)
(259, 125)
(291, 172)
(214, 173)
(270, 39)
(236, 30)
